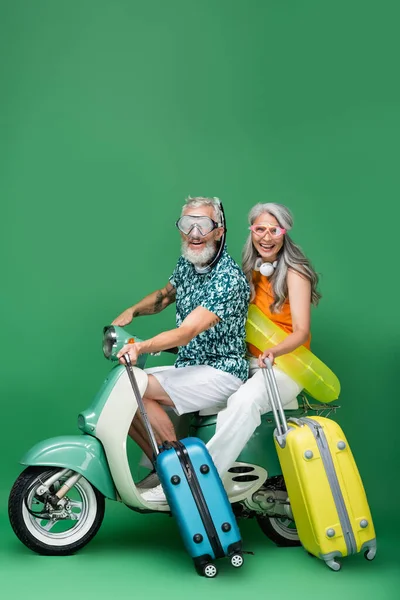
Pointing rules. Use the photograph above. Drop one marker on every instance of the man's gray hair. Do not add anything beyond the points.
(202, 201)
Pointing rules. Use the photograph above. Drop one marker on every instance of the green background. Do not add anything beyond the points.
(111, 113)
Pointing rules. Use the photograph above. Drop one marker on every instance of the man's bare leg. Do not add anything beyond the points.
(162, 425)
(155, 398)
(139, 435)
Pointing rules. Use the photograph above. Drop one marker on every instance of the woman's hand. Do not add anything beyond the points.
(266, 354)
(124, 318)
(133, 350)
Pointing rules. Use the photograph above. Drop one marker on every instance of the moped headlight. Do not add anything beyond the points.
(109, 341)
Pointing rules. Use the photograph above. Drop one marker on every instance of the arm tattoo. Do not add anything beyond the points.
(171, 294)
(163, 298)
(158, 304)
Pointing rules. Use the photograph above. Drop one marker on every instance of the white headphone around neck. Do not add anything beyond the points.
(265, 268)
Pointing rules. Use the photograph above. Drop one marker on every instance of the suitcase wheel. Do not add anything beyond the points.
(334, 565)
(210, 570)
(237, 560)
(370, 554)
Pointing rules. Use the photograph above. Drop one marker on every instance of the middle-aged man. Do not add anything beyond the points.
(211, 295)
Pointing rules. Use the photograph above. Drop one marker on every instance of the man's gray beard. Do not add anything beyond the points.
(199, 259)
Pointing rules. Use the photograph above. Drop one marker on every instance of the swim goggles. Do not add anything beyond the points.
(262, 228)
(204, 225)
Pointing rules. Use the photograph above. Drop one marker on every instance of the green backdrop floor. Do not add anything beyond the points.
(143, 554)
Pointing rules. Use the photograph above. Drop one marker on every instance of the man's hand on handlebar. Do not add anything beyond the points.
(133, 350)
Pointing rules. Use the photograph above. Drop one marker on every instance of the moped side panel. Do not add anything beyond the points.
(81, 453)
(88, 418)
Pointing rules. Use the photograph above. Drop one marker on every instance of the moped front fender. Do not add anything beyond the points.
(81, 453)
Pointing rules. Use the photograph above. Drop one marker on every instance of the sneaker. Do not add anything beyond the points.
(155, 494)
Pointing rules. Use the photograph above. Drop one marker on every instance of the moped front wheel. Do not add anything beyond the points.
(48, 529)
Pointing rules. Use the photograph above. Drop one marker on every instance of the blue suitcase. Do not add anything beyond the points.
(195, 496)
(199, 503)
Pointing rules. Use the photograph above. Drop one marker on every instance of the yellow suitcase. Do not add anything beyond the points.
(324, 486)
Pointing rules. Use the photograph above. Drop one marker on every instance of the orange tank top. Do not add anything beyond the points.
(263, 299)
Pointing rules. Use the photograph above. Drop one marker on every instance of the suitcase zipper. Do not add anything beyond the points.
(199, 499)
(327, 460)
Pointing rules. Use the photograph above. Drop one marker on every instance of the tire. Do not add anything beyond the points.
(210, 570)
(237, 560)
(58, 539)
(334, 565)
(369, 555)
(281, 530)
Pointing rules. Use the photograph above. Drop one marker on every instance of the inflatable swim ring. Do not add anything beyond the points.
(301, 364)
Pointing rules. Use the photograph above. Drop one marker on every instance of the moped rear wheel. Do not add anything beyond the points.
(43, 528)
(281, 530)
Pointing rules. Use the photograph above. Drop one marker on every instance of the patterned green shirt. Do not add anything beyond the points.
(225, 292)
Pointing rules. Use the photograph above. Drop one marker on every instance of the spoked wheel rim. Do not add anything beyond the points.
(285, 527)
(82, 507)
(237, 560)
(210, 570)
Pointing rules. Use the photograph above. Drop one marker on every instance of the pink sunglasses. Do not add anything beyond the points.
(273, 230)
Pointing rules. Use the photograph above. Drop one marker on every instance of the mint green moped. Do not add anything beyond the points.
(57, 503)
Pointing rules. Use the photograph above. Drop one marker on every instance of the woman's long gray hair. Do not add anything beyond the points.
(290, 257)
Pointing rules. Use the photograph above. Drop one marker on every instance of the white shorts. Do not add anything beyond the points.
(195, 388)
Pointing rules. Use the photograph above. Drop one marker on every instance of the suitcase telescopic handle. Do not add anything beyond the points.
(139, 401)
(273, 393)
